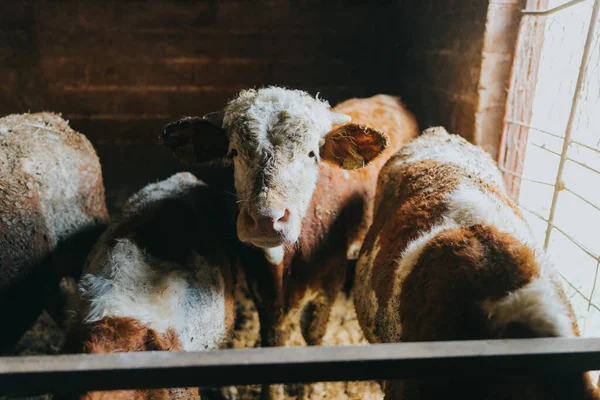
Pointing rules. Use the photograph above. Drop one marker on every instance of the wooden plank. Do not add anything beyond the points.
(204, 71)
(148, 45)
(41, 374)
(519, 104)
(157, 14)
(115, 99)
(140, 102)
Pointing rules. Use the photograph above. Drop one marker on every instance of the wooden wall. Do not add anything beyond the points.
(443, 41)
(120, 69)
(459, 55)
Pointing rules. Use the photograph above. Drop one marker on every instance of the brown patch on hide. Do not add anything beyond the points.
(420, 206)
(458, 269)
(440, 301)
(117, 335)
(419, 193)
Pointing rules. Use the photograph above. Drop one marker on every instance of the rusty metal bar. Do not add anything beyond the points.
(509, 172)
(590, 303)
(579, 292)
(582, 164)
(554, 135)
(594, 149)
(539, 146)
(582, 248)
(524, 125)
(565, 234)
(581, 198)
(28, 375)
(543, 13)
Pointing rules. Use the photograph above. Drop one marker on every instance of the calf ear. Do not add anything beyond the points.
(353, 146)
(196, 140)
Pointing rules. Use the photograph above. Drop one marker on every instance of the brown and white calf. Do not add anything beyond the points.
(160, 278)
(52, 210)
(450, 257)
(305, 181)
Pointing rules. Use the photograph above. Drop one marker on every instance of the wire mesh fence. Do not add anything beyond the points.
(550, 149)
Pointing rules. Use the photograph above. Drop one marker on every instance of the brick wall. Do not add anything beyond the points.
(120, 69)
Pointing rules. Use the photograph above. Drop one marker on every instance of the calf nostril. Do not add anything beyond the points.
(285, 217)
(250, 219)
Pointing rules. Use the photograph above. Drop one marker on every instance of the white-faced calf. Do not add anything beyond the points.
(450, 257)
(304, 179)
(160, 278)
(305, 182)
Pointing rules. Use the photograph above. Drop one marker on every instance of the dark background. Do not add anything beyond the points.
(118, 70)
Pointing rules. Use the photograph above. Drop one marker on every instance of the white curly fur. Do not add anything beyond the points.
(122, 280)
(273, 130)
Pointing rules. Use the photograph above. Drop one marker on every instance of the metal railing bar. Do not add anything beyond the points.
(590, 304)
(576, 289)
(551, 11)
(594, 149)
(587, 146)
(573, 240)
(582, 198)
(583, 165)
(583, 67)
(144, 370)
(538, 182)
(524, 125)
(576, 243)
(546, 149)
(589, 300)
(507, 171)
(535, 213)
(588, 252)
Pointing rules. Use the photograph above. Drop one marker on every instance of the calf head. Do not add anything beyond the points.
(275, 138)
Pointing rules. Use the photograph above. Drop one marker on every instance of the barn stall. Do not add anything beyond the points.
(118, 71)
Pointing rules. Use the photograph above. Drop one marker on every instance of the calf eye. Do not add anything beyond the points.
(311, 154)
(232, 153)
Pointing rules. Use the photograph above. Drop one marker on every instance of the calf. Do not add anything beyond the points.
(160, 278)
(450, 257)
(52, 210)
(305, 182)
